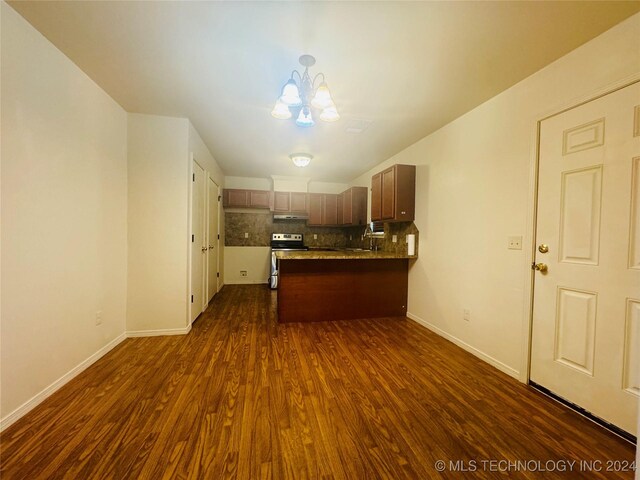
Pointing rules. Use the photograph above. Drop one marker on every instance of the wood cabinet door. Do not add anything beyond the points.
(347, 207)
(259, 199)
(405, 193)
(281, 202)
(359, 205)
(330, 209)
(340, 208)
(236, 198)
(388, 193)
(315, 209)
(376, 197)
(299, 202)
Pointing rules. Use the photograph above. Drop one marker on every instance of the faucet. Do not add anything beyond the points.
(368, 232)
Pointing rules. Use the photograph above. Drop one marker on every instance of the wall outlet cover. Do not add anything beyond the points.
(514, 242)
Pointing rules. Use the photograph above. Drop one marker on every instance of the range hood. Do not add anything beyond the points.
(290, 216)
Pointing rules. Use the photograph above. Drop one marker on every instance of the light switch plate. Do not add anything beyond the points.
(246, 235)
(315, 236)
(514, 242)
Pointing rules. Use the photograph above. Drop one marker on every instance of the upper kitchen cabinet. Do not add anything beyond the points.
(352, 206)
(393, 194)
(329, 209)
(240, 198)
(323, 209)
(290, 202)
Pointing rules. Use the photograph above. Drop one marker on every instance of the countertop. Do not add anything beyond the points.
(345, 254)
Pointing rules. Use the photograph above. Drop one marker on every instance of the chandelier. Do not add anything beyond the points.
(304, 94)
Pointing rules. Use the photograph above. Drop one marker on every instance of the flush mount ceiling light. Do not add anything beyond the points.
(301, 159)
(303, 94)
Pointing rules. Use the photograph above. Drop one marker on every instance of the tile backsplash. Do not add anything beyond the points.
(260, 226)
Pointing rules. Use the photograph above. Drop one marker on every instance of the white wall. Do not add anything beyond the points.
(250, 183)
(327, 187)
(474, 180)
(64, 218)
(254, 260)
(159, 172)
(159, 161)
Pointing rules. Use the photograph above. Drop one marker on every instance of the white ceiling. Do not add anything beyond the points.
(410, 67)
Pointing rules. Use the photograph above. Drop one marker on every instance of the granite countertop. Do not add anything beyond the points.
(344, 254)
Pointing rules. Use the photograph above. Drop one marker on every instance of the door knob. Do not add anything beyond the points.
(204, 249)
(541, 267)
(543, 248)
(210, 247)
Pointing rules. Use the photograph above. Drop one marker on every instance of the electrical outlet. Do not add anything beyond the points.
(243, 273)
(394, 238)
(466, 315)
(99, 317)
(315, 236)
(515, 242)
(246, 235)
(350, 237)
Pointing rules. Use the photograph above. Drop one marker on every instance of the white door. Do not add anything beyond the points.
(586, 314)
(213, 243)
(198, 241)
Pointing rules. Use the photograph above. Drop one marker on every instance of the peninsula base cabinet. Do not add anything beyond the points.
(393, 194)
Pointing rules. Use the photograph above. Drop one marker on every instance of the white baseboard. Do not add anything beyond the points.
(159, 333)
(48, 391)
(478, 353)
(245, 282)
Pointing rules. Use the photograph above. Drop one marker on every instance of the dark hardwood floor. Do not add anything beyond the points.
(244, 397)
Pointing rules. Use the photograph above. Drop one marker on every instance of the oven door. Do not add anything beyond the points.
(273, 274)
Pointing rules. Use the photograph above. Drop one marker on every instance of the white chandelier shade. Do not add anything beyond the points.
(302, 93)
(281, 111)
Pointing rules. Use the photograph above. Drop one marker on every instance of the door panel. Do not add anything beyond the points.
(632, 348)
(281, 202)
(634, 242)
(388, 193)
(213, 242)
(585, 315)
(298, 202)
(376, 197)
(581, 196)
(198, 243)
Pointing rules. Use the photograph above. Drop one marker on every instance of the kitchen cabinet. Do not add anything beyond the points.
(290, 202)
(240, 198)
(315, 209)
(329, 209)
(353, 206)
(393, 193)
(323, 209)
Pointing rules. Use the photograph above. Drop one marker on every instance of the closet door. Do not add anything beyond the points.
(199, 246)
(213, 246)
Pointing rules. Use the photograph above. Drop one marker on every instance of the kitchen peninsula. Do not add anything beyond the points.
(341, 285)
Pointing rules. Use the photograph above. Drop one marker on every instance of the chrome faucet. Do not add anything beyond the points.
(368, 232)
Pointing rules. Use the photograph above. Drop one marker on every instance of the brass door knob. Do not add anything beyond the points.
(204, 249)
(543, 248)
(541, 267)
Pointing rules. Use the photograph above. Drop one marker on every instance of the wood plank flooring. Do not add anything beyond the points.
(244, 397)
